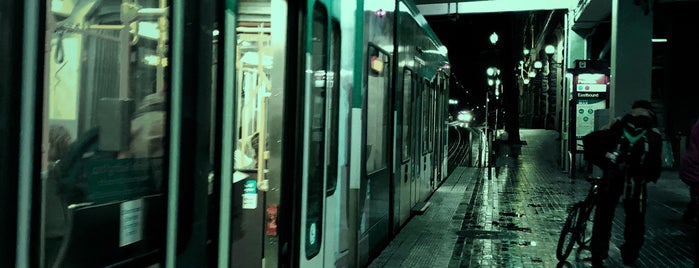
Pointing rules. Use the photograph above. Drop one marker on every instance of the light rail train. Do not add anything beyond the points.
(238, 133)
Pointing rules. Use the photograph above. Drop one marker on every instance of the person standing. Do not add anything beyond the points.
(631, 152)
(689, 173)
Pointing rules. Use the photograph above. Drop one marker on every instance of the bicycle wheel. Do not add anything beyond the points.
(569, 234)
(585, 227)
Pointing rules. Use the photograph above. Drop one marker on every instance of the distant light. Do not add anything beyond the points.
(549, 49)
(493, 38)
(526, 81)
(537, 64)
(490, 71)
(659, 40)
(532, 74)
(491, 82)
(526, 51)
(453, 101)
(215, 32)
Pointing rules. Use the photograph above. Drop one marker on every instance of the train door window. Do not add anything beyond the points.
(433, 117)
(415, 145)
(333, 107)
(104, 127)
(377, 110)
(254, 62)
(316, 147)
(428, 114)
(425, 92)
(407, 107)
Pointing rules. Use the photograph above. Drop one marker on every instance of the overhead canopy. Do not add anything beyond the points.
(437, 7)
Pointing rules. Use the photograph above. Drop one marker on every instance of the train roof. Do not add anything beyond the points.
(422, 22)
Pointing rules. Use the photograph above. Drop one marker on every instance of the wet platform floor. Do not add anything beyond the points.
(513, 217)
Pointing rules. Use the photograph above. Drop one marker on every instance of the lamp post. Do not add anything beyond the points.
(551, 93)
(493, 81)
(536, 75)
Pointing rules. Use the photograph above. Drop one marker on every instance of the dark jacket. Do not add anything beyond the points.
(598, 143)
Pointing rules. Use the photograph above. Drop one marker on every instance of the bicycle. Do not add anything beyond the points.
(575, 229)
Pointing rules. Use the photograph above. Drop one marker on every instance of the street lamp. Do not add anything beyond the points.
(549, 49)
(538, 65)
(493, 38)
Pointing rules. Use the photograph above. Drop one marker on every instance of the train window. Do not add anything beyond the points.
(407, 107)
(104, 127)
(377, 110)
(430, 119)
(333, 85)
(433, 115)
(425, 93)
(316, 147)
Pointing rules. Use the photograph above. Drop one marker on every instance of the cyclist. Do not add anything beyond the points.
(629, 152)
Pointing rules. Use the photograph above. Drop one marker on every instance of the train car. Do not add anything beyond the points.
(424, 71)
(415, 101)
(240, 133)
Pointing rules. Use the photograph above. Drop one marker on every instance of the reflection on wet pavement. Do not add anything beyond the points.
(513, 216)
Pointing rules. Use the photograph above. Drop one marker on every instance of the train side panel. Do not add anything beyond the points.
(420, 85)
(375, 186)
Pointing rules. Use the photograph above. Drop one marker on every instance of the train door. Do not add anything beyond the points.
(426, 142)
(437, 130)
(406, 100)
(431, 135)
(375, 185)
(336, 228)
(254, 70)
(318, 141)
(417, 145)
(444, 111)
(100, 194)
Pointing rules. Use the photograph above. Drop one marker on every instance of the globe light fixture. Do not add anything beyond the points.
(549, 49)
(493, 38)
(490, 71)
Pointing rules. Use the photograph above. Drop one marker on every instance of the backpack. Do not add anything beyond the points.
(638, 149)
(637, 146)
(632, 148)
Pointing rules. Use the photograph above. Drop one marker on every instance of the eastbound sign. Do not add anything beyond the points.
(590, 93)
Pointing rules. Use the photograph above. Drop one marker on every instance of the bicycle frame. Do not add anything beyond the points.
(575, 227)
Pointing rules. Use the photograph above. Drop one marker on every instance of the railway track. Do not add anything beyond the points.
(464, 147)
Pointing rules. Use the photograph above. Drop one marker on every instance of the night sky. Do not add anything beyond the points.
(470, 51)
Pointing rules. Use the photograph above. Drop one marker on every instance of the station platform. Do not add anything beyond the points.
(513, 218)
